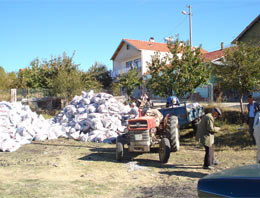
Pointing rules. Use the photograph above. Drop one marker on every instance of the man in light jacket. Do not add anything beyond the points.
(133, 113)
(205, 135)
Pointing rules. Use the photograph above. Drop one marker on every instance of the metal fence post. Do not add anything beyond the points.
(13, 95)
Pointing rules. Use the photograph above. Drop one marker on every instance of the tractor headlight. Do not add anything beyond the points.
(153, 130)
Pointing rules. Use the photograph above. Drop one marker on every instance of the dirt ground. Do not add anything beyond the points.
(67, 168)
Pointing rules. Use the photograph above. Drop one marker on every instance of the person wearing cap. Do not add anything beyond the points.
(172, 100)
(205, 135)
(252, 108)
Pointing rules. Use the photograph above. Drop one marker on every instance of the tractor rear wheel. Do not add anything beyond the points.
(119, 150)
(164, 150)
(172, 133)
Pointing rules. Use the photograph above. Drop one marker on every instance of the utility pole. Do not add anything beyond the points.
(190, 14)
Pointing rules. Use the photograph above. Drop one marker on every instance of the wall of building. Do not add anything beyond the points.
(125, 55)
(252, 35)
(147, 57)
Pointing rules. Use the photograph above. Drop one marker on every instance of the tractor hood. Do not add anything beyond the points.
(145, 122)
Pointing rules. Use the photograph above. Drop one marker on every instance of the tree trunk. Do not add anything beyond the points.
(241, 103)
(242, 110)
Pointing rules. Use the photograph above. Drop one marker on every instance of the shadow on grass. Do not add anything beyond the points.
(187, 135)
(174, 189)
(61, 145)
(236, 140)
(158, 164)
(184, 174)
(108, 155)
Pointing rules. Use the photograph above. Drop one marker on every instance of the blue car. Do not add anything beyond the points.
(242, 181)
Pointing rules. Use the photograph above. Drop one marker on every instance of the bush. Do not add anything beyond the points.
(230, 116)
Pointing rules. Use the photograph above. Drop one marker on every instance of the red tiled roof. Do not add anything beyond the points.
(146, 45)
(210, 56)
(202, 50)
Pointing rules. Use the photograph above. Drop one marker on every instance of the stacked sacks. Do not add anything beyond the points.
(19, 126)
(89, 117)
(92, 117)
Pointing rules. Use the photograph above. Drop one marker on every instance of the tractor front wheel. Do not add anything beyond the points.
(119, 150)
(172, 133)
(164, 150)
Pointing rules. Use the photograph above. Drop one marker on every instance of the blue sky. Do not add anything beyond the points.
(94, 28)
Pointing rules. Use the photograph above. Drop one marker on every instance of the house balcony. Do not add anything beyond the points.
(123, 70)
(119, 71)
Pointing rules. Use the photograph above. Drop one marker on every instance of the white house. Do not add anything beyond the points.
(131, 53)
(135, 53)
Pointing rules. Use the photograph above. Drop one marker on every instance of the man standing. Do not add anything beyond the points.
(205, 135)
(144, 98)
(252, 109)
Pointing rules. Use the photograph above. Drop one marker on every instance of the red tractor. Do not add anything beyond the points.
(157, 127)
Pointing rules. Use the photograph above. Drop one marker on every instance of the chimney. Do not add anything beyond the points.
(181, 43)
(151, 39)
(222, 45)
(168, 39)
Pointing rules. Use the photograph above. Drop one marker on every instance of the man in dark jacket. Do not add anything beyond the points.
(172, 100)
(205, 135)
(252, 108)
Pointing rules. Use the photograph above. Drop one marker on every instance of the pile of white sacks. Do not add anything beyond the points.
(92, 117)
(89, 117)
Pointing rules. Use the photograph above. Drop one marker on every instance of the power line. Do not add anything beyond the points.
(181, 23)
(176, 27)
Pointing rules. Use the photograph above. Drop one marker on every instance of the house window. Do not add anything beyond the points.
(127, 47)
(135, 63)
(129, 64)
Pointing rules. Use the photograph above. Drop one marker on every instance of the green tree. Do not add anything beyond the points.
(58, 76)
(2, 78)
(11, 80)
(7, 80)
(101, 74)
(67, 84)
(90, 82)
(129, 81)
(29, 77)
(50, 69)
(181, 71)
(115, 89)
(240, 70)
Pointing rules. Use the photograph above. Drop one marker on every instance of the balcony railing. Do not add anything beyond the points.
(123, 70)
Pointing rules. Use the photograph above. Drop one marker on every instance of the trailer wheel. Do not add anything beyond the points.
(172, 133)
(164, 150)
(119, 150)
